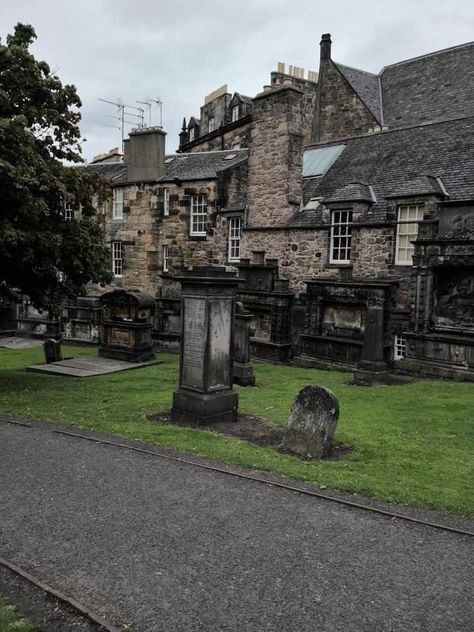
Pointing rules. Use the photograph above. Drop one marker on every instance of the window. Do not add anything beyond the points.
(166, 258)
(317, 161)
(341, 235)
(198, 215)
(117, 203)
(407, 231)
(211, 124)
(68, 211)
(234, 238)
(166, 202)
(192, 132)
(117, 258)
(235, 113)
(399, 348)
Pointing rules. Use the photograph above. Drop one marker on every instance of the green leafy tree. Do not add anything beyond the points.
(42, 254)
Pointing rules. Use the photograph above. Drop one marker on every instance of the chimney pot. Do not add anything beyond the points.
(325, 47)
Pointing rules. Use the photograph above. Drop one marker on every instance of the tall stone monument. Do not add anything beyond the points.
(205, 374)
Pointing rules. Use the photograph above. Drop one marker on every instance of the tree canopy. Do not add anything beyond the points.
(42, 254)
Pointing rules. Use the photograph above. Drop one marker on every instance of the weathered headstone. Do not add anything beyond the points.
(372, 368)
(312, 423)
(243, 369)
(52, 351)
(205, 374)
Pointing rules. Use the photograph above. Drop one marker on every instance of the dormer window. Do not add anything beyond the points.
(211, 127)
(192, 131)
(235, 113)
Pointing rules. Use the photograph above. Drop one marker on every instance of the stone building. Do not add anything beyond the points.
(345, 199)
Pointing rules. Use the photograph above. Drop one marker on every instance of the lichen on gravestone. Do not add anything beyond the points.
(312, 423)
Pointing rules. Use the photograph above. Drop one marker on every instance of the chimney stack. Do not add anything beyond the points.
(145, 153)
(325, 47)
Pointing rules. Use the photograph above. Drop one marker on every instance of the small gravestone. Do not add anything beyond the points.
(243, 369)
(312, 423)
(52, 351)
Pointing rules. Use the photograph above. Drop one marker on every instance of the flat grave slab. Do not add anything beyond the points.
(87, 366)
(17, 342)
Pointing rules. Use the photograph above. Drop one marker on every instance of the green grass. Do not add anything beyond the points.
(414, 442)
(11, 621)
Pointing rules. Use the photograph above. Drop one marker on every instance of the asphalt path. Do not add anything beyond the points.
(154, 545)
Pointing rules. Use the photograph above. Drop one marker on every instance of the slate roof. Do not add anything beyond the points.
(429, 88)
(400, 162)
(202, 165)
(366, 85)
(116, 172)
(426, 89)
(354, 192)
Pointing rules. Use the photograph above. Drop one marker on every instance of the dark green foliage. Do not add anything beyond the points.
(41, 254)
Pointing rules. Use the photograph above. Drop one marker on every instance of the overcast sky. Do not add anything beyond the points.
(180, 50)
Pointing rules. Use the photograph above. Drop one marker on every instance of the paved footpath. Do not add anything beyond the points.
(162, 546)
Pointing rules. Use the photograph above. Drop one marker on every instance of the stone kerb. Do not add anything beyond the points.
(312, 423)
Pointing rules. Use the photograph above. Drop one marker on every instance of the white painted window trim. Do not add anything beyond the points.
(341, 229)
(68, 211)
(399, 347)
(166, 202)
(117, 203)
(198, 216)
(192, 133)
(234, 238)
(419, 208)
(117, 259)
(166, 258)
(235, 113)
(211, 124)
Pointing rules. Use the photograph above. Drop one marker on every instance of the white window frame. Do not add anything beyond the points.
(68, 211)
(399, 347)
(407, 231)
(192, 132)
(117, 259)
(166, 258)
(117, 203)
(234, 237)
(235, 113)
(198, 218)
(341, 237)
(166, 202)
(211, 124)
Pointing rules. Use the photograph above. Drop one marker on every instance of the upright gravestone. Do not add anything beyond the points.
(205, 375)
(52, 351)
(312, 423)
(243, 369)
(372, 368)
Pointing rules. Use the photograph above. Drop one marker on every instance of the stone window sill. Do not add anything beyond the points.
(197, 237)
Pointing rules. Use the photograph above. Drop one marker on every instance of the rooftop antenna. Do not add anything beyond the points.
(148, 101)
(123, 111)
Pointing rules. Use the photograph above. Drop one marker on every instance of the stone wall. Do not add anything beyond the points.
(340, 111)
(275, 161)
(235, 136)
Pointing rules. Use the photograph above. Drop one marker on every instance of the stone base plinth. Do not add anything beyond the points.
(243, 374)
(270, 351)
(364, 377)
(203, 408)
(127, 355)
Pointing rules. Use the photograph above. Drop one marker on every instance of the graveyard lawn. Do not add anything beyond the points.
(11, 621)
(414, 443)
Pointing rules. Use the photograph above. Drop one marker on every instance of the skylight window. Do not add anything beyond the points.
(168, 160)
(317, 161)
(230, 156)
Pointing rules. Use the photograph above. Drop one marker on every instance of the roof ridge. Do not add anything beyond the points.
(432, 54)
(386, 131)
(367, 72)
(213, 151)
